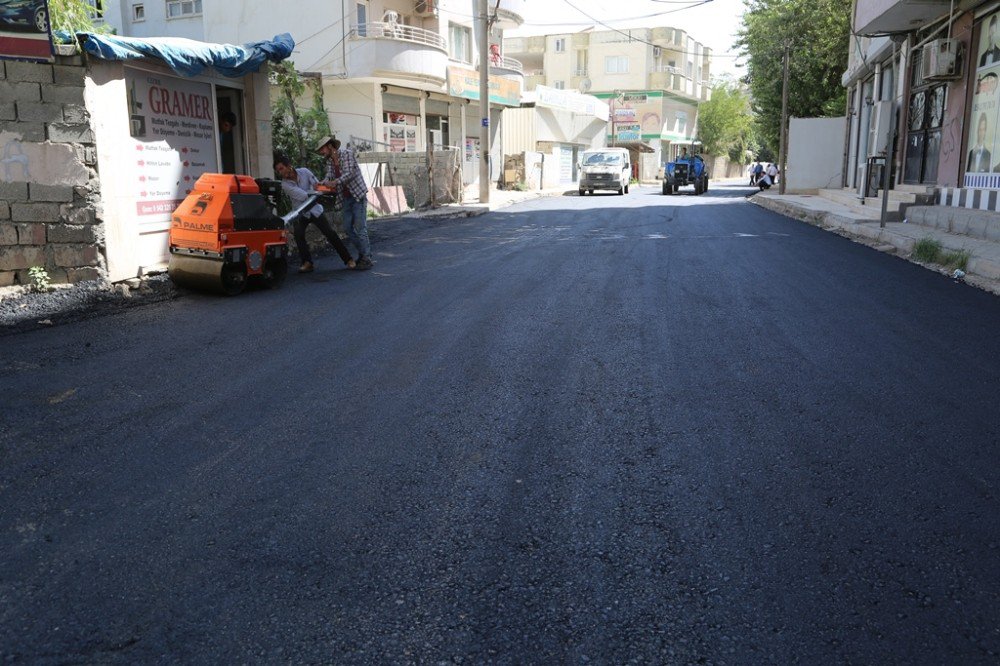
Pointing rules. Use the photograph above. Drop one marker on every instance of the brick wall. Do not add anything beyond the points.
(50, 213)
(409, 170)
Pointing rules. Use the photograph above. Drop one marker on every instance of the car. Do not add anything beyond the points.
(25, 12)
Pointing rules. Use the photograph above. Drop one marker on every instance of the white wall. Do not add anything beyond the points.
(118, 14)
(815, 153)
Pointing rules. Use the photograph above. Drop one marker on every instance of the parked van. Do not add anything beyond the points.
(605, 169)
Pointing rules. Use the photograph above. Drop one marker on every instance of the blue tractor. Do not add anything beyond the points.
(685, 170)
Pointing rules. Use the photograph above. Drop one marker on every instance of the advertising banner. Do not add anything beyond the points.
(24, 30)
(982, 167)
(464, 82)
(173, 131)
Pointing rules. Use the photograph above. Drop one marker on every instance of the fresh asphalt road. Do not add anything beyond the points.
(605, 429)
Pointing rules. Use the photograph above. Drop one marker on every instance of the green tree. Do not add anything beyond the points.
(725, 122)
(73, 16)
(817, 32)
(295, 127)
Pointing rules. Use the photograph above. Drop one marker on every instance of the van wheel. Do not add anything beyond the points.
(590, 192)
(582, 192)
(626, 189)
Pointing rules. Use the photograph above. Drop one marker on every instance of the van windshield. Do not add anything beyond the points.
(595, 159)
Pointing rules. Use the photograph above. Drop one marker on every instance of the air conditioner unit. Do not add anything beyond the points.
(656, 51)
(426, 7)
(940, 60)
(878, 128)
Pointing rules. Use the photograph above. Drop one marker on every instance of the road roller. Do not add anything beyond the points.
(226, 234)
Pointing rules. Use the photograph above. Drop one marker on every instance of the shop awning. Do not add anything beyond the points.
(188, 57)
(640, 146)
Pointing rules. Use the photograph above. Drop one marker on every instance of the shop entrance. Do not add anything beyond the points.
(230, 121)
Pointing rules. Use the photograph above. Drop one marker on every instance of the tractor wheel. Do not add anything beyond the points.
(704, 188)
(666, 189)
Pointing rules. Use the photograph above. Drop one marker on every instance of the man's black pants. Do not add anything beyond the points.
(299, 226)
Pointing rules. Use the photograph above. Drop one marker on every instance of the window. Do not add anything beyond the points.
(138, 12)
(182, 8)
(682, 121)
(559, 85)
(460, 42)
(616, 65)
(560, 44)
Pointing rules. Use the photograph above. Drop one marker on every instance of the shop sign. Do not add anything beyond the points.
(634, 98)
(24, 30)
(172, 140)
(624, 115)
(464, 82)
(566, 100)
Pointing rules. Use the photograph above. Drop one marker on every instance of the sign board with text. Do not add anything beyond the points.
(464, 82)
(173, 140)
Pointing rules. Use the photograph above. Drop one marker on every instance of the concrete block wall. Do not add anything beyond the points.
(50, 212)
(409, 170)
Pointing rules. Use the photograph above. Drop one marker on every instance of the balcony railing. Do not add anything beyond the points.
(400, 32)
(507, 63)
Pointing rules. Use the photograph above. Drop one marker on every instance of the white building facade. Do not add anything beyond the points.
(652, 78)
(397, 75)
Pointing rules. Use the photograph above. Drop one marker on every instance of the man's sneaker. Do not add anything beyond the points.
(306, 267)
(363, 264)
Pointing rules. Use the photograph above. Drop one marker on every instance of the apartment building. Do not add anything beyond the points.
(652, 78)
(929, 67)
(397, 74)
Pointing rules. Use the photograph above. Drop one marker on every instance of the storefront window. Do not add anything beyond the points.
(982, 168)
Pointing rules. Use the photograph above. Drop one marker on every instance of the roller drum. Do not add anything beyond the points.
(207, 274)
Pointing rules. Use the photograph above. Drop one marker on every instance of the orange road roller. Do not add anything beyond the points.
(226, 234)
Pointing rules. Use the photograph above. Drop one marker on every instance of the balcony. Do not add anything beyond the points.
(397, 52)
(510, 13)
(508, 68)
(880, 17)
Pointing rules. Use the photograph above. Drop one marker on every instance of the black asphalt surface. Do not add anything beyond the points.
(582, 429)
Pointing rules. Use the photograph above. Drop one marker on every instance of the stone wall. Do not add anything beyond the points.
(409, 170)
(49, 192)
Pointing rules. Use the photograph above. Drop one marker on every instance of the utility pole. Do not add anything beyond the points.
(783, 138)
(483, 32)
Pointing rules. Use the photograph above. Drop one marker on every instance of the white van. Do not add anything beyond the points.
(605, 169)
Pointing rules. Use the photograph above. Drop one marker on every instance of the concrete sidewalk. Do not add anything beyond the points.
(956, 230)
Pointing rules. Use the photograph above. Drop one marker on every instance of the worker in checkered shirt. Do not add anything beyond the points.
(344, 176)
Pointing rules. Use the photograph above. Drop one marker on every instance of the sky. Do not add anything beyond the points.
(713, 23)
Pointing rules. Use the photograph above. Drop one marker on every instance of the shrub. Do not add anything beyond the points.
(927, 250)
(959, 259)
(40, 281)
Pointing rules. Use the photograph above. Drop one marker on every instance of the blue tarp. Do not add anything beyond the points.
(188, 57)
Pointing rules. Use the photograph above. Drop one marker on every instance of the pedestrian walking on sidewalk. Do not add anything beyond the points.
(344, 176)
(297, 184)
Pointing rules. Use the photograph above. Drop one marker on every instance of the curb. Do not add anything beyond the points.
(849, 228)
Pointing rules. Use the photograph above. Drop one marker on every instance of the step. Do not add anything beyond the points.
(897, 198)
(971, 222)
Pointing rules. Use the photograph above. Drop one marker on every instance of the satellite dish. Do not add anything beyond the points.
(585, 84)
